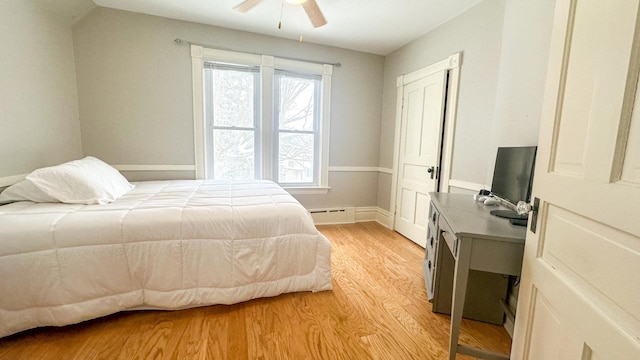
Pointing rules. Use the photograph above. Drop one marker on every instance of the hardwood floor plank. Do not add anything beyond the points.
(106, 337)
(399, 332)
(194, 341)
(269, 328)
(336, 338)
(156, 338)
(217, 334)
(377, 309)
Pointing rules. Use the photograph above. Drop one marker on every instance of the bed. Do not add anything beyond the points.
(161, 245)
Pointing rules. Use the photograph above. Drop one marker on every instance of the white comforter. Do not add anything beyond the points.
(168, 245)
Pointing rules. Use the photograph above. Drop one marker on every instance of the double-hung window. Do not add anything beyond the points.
(297, 118)
(261, 117)
(232, 119)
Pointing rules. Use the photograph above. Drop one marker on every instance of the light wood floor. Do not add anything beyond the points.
(378, 309)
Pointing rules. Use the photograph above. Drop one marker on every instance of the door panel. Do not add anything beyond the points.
(416, 174)
(408, 205)
(591, 256)
(580, 291)
(545, 338)
(420, 139)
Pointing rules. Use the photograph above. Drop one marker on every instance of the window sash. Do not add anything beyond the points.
(315, 131)
(209, 68)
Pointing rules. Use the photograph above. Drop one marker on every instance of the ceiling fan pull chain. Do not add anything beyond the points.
(281, 11)
(301, 24)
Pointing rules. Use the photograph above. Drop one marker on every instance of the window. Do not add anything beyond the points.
(297, 123)
(260, 117)
(232, 121)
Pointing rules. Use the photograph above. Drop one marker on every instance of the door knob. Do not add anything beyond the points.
(432, 171)
(523, 208)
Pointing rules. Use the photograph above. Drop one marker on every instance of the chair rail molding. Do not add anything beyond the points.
(155, 167)
(467, 185)
(360, 169)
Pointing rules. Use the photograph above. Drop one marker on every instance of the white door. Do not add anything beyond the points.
(423, 106)
(580, 289)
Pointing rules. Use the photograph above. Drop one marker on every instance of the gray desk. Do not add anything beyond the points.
(477, 240)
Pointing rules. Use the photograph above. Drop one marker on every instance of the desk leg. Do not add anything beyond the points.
(460, 277)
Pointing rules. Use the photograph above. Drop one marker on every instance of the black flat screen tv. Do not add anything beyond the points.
(513, 176)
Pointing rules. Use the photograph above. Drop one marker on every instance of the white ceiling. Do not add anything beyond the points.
(373, 26)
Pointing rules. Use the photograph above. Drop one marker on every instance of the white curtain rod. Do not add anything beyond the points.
(185, 42)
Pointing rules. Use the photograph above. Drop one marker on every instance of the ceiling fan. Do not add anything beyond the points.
(309, 6)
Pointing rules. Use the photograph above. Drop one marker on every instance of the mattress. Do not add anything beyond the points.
(165, 245)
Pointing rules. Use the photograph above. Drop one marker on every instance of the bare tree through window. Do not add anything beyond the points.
(233, 111)
(233, 118)
(297, 127)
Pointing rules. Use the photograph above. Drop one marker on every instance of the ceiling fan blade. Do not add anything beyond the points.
(246, 5)
(314, 13)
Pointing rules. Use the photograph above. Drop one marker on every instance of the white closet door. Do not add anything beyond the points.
(421, 130)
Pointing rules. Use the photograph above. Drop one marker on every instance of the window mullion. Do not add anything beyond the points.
(317, 121)
(208, 83)
(267, 118)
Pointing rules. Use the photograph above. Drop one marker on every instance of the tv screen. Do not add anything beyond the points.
(513, 173)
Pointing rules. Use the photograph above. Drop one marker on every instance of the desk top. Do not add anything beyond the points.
(468, 217)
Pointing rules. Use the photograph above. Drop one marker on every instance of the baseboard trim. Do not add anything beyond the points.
(384, 218)
(359, 169)
(364, 214)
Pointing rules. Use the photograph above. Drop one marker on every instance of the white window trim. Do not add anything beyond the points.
(200, 55)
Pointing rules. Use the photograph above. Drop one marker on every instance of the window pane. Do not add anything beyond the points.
(233, 98)
(295, 159)
(233, 155)
(297, 100)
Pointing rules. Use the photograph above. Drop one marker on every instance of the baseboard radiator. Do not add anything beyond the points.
(343, 215)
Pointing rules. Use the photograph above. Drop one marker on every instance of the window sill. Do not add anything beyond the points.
(307, 190)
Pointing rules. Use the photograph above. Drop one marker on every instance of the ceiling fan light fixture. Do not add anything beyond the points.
(310, 8)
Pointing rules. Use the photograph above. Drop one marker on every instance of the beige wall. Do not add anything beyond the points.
(505, 48)
(38, 96)
(135, 97)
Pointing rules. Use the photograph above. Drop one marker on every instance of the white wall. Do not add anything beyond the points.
(135, 97)
(38, 95)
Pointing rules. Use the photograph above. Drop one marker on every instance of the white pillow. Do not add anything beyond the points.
(24, 190)
(84, 181)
